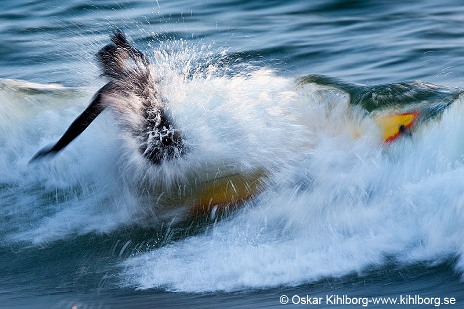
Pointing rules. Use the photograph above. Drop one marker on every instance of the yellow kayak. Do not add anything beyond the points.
(140, 106)
(232, 190)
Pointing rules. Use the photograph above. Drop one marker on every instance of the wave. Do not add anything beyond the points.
(335, 201)
(346, 206)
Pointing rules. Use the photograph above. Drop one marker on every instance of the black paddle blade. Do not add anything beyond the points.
(77, 127)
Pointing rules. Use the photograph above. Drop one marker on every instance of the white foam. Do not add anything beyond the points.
(74, 193)
(25, 85)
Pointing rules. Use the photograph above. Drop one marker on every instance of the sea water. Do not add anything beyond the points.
(342, 217)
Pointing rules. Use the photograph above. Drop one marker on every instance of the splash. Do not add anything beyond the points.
(100, 184)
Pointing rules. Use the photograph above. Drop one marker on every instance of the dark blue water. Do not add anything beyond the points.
(361, 41)
(348, 217)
